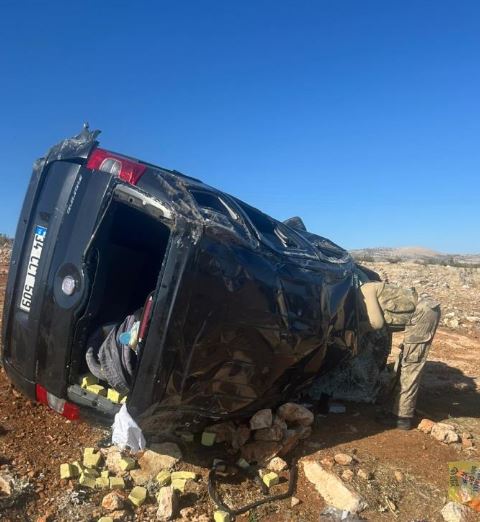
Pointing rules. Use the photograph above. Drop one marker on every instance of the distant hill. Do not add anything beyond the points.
(414, 253)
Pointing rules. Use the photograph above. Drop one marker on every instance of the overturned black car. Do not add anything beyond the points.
(234, 310)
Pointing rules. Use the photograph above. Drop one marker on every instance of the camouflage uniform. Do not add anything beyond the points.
(418, 317)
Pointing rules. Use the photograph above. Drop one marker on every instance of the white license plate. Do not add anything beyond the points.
(32, 267)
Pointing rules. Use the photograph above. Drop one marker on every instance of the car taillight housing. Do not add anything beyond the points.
(67, 409)
(116, 164)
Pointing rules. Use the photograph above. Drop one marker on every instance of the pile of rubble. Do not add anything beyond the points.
(132, 479)
(456, 288)
(152, 477)
(267, 434)
(446, 433)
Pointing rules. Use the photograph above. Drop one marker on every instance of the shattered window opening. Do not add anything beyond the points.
(213, 202)
(271, 230)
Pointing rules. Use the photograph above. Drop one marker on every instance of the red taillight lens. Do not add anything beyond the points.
(67, 409)
(126, 169)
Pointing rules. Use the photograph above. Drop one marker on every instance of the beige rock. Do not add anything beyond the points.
(113, 458)
(167, 504)
(466, 435)
(274, 433)
(119, 515)
(365, 475)
(278, 421)
(261, 419)
(202, 517)
(260, 451)
(294, 501)
(327, 462)
(187, 513)
(140, 477)
(277, 464)
(6, 483)
(399, 476)
(295, 414)
(444, 433)
(334, 491)
(303, 432)
(343, 459)
(241, 436)
(159, 457)
(347, 475)
(113, 501)
(225, 431)
(454, 512)
(426, 425)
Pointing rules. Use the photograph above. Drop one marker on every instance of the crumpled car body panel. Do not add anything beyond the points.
(250, 322)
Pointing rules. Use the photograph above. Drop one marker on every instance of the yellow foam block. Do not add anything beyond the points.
(91, 472)
(97, 389)
(208, 439)
(105, 519)
(221, 516)
(183, 475)
(270, 479)
(114, 396)
(242, 463)
(179, 484)
(164, 478)
(187, 436)
(117, 483)
(92, 460)
(127, 463)
(88, 380)
(88, 482)
(80, 468)
(105, 474)
(137, 496)
(68, 471)
(102, 483)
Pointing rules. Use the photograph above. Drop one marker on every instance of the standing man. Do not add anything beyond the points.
(397, 308)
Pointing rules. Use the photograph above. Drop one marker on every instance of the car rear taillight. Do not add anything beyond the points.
(67, 409)
(126, 169)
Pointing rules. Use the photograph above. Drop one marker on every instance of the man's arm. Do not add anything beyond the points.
(370, 293)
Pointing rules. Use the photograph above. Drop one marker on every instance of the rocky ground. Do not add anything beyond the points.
(456, 288)
(397, 475)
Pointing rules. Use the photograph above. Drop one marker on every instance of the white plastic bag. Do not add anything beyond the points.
(126, 432)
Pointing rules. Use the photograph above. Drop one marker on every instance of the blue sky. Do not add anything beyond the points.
(362, 117)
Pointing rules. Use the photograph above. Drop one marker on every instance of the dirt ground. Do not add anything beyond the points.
(35, 441)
